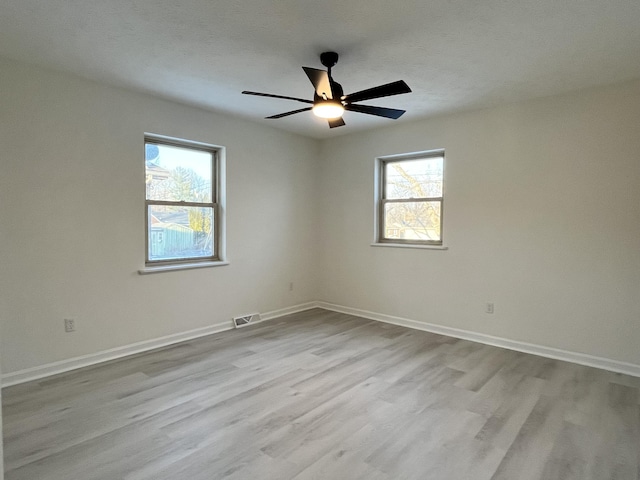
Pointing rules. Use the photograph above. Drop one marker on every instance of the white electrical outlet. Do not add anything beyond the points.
(69, 325)
(489, 307)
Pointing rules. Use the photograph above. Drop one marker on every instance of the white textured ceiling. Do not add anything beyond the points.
(454, 54)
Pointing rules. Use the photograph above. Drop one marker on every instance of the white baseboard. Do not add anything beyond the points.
(62, 366)
(288, 311)
(42, 371)
(549, 352)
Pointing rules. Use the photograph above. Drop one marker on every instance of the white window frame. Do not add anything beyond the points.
(380, 200)
(218, 204)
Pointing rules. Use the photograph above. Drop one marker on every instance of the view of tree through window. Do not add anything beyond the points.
(411, 201)
(180, 202)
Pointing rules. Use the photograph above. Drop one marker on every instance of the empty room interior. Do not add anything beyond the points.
(320, 240)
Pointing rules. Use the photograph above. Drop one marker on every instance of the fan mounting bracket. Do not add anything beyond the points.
(328, 59)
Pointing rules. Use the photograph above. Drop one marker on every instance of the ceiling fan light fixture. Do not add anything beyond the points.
(328, 109)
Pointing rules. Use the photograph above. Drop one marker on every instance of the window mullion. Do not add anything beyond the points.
(180, 204)
(412, 200)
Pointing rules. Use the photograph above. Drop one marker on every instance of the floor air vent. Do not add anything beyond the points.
(245, 320)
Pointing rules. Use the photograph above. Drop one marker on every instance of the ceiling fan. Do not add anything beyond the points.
(329, 100)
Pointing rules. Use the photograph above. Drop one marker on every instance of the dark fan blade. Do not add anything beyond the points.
(379, 111)
(336, 122)
(286, 114)
(394, 88)
(246, 92)
(320, 81)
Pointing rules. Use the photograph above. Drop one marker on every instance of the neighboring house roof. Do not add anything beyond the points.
(156, 172)
(176, 218)
(170, 226)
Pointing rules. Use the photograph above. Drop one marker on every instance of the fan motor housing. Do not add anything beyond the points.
(329, 59)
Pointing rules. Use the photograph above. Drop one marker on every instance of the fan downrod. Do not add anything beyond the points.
(329, 59)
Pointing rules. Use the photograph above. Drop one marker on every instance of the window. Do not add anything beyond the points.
(183, 211)
(409, 198)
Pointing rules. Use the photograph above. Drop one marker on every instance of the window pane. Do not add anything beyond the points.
(180, 232)
(420, 178)
(178, 174)
(412, 220)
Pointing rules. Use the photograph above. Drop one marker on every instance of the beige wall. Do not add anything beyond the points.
(72, 210)
(542, 217)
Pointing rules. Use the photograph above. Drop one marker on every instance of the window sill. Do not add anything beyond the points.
(181, 266)
(403, 245)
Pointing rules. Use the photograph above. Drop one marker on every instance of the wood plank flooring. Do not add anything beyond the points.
(323, 395)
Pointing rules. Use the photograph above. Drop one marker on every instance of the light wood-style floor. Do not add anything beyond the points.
(323, 395)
